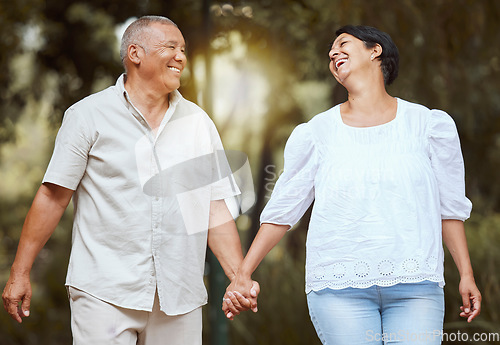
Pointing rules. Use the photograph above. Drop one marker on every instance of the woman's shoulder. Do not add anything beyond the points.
(414, 108)
(323, 123)
(324, 117)
(312, 132)
(421, 109)
(435, 120)
(416, 116)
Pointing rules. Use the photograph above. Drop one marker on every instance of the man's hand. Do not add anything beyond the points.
(17, 297)
(241, 282)
(48, 206)
(235, 302)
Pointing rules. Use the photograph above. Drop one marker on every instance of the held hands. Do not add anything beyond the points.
(235, 301)
(471, 298)
(17, 291)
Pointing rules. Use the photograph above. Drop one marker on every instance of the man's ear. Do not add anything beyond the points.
(135, 53)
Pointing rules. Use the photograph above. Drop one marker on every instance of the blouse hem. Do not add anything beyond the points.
(382, 283)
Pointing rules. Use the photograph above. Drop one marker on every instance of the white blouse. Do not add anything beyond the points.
(379, 195)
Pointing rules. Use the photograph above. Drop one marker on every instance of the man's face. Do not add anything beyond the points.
(165, 59)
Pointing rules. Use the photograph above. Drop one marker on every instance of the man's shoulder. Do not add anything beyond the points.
(188, 107)
(98, 99)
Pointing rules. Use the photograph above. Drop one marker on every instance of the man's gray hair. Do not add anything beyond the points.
(137, 32)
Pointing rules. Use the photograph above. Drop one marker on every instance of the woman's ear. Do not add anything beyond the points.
(376, 51)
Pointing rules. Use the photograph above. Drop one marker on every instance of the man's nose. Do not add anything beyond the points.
(180, 56)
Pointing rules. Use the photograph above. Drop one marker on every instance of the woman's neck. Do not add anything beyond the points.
(368, 106)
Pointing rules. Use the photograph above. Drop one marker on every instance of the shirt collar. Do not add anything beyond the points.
(174, 99)
(175, 96)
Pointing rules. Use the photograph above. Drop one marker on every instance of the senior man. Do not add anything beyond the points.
(149, 183)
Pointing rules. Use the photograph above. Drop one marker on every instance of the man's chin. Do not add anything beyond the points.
(172, 86)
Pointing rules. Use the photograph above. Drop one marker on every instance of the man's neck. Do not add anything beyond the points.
(152, 105)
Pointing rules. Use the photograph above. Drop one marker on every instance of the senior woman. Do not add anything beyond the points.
(387, 180)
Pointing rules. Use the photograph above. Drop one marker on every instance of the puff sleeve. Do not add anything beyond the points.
(294, 190)
(448, 166)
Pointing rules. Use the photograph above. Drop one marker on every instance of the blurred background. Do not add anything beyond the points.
(259, 68)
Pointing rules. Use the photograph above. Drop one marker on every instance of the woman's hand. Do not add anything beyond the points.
(471, 298)
(241, 295)
(456, 241)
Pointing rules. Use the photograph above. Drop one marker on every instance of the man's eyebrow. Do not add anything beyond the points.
(175, 43)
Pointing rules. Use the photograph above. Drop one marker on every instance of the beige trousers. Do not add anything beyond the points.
(95, 322)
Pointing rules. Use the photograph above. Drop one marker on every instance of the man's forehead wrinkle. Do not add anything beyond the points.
(166, 44)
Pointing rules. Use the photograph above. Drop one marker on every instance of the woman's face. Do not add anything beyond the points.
(348, 56)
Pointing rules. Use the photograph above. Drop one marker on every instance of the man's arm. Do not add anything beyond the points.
(224, 241)
(456, 242)
(48, 206)
(268, 236)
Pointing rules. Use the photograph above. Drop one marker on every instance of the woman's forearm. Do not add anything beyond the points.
(456, 242)
(268, 236)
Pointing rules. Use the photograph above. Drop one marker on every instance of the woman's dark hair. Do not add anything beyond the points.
(371, 36)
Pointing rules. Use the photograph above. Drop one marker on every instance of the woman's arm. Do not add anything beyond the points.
(456, 242)
(268, 236)
(224, 241)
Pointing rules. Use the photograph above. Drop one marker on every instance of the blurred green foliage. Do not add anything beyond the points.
(57, 52)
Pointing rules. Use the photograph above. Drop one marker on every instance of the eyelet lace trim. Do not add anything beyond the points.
(363, 274)
(367, 283)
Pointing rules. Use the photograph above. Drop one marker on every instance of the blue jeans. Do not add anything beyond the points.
(410, 313)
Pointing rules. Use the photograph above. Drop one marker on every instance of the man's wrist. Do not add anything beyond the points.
(231, 276)
(16, 271)
(244, 274)
(240, 275)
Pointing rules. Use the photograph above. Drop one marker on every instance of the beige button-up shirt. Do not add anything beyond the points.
(141, 202)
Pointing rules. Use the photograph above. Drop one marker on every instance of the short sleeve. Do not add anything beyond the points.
(69, 159)
(294, 190)
(223, 186)
(448, 165)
